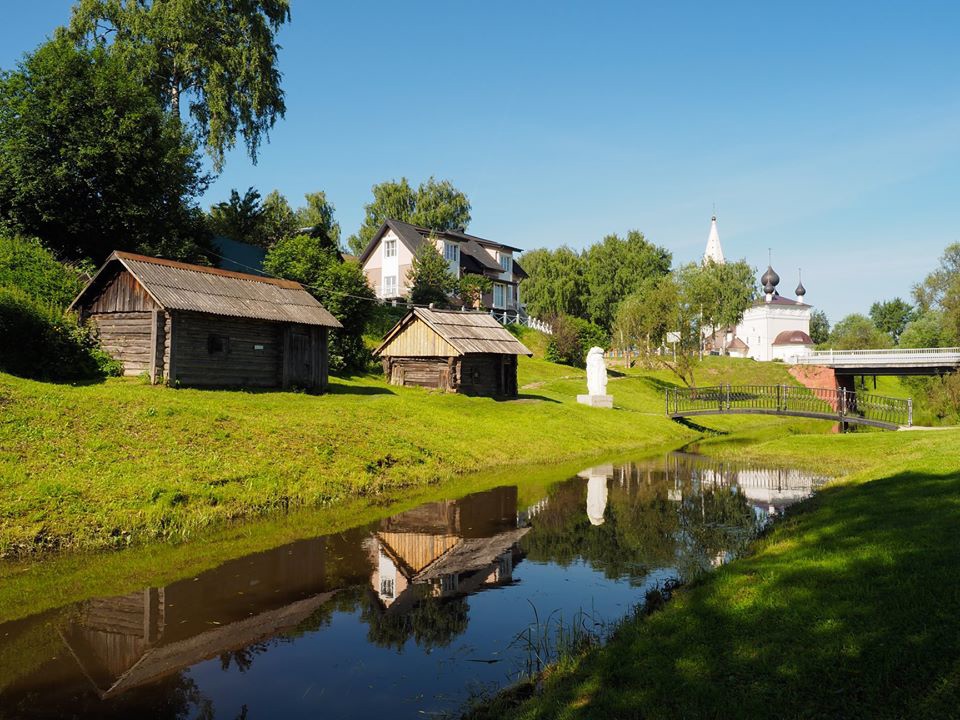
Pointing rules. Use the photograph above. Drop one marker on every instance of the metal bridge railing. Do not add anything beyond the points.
(888, 356)
(829, 403)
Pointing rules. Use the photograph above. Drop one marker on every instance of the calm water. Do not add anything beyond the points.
(407, 617)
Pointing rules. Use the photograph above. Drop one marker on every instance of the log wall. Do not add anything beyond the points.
(126, 336)
(481, 374)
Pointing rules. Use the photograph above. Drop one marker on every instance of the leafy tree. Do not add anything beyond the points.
(857, 332)
(239, 218)
(436, 205)
(472, 288)
(572, 339)
(929, 294)
(430, 278)
(27, 265)
(317, 214)
(90, 163)
(926, 330)
(892, 316)
(555, 285)
(819, 327)
(340, 286)
(278, 219)
(220, 56)
(720, 293)
(616, 267)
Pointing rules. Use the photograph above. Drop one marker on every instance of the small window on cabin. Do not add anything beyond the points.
(218, 345)
(390, 248)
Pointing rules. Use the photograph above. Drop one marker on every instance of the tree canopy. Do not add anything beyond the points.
(892, 316)
(435, 204)
(90, 163)
(240, 218)
(719, 293)
(819, 327)
(430, 278)
(318, 215)
(219, 56)
(857, 332)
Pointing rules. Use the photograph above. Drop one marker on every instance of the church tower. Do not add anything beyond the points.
(714, 251)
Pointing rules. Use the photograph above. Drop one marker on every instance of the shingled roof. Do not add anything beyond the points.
(467, 331)
(181, 286)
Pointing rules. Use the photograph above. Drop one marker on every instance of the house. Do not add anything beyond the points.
(202, 326)
(773, 327)
(456, 350)
(388, 258)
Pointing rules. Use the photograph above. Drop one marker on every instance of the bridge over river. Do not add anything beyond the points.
(837, 404)
(897, 361)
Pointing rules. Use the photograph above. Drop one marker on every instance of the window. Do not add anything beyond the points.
(509, 295)
(218, 345)
(389, 288)
(451, 252)
(506, 262)
(498, 294)
(386, 587)
(390, 248)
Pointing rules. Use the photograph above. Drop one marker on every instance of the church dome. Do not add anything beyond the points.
(801, 290)
(770, 278)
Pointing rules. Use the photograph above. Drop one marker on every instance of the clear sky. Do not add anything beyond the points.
(826, 131)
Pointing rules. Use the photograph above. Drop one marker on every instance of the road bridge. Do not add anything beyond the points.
(837, 404)
(897, 361)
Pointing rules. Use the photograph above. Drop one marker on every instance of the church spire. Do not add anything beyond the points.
(714, 251)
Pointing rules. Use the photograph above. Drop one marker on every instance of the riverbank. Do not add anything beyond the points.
(122, 463)
(848, 608)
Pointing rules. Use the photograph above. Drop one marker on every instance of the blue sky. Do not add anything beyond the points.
(828, 132)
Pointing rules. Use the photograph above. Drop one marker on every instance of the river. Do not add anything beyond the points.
(412, 616)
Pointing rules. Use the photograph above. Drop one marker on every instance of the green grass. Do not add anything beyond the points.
(849, 608)
(121, 463)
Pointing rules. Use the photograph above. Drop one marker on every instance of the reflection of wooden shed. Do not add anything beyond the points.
(193, 325)
(460, 351)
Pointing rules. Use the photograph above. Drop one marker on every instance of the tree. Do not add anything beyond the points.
(239, 218)
(616, 267)
(555, 285)
(819, 327)
(341, 286)
(472, 288)
(929, 294)
(278, 220)
(572, 339)
(436, 205)
(430, 278)
(926, 331)
(317, 215)
(89, 162)
(221, 56)
(857, 332)
(720, 293)
(892, 316)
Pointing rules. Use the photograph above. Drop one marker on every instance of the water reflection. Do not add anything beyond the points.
(363, 623)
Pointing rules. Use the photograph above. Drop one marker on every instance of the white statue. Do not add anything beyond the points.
(596, 372)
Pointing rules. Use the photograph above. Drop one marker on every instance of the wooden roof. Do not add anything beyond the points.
(463, 332)
(181, 286)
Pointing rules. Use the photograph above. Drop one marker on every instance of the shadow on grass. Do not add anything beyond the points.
(850, 611)
(703, 429)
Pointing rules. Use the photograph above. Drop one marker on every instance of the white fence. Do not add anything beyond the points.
(896, 357)
(505, 317)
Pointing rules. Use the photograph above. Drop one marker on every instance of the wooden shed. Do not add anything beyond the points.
(455, 350)
(205, 327)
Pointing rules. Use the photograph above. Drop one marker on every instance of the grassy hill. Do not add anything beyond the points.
(122, 462)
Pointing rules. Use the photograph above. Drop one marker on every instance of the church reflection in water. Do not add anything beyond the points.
(407, 577)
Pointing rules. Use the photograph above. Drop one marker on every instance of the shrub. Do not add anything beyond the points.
(572, 339)
(42, 342)
(27, 265)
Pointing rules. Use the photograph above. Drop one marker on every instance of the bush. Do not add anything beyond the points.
(42, 342)
(27, 265)
(572, 339)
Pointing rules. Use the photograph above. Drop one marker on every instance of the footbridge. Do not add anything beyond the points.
(837, 404)
(898, 361)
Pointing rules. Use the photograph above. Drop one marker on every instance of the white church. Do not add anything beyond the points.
(773, 328)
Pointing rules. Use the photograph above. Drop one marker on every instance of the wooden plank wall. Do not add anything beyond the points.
(420, 372)
(126, 336)
(122, 294)
(240, 366)
(418, 340)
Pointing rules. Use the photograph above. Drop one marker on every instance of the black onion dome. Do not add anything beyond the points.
(770, 278)
(801, 290)
(769, 289)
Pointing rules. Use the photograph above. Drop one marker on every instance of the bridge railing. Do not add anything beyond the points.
(950, 355)
(791, 400)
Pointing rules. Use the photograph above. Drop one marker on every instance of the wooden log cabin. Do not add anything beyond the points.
(455, 350)
(198, 326)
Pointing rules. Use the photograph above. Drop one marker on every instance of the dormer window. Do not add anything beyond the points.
(451, 252)
(390, 248)
(505, 262)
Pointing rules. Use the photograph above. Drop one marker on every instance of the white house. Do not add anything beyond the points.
(774, 327)
(388, 258)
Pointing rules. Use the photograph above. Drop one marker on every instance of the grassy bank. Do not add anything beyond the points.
(121, 462)
(849, 608)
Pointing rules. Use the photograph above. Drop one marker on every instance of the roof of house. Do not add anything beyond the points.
(737, 344)
(467, 331)
(413, 235)
(793, 337)
(181, 286)
(778, 299)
